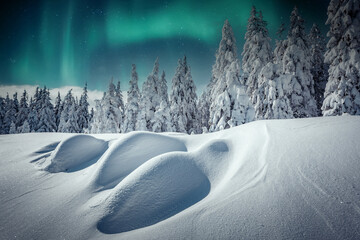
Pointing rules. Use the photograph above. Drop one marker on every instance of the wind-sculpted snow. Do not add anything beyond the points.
(75, 153)
(127, 154)
(157, 190)
(280, 179)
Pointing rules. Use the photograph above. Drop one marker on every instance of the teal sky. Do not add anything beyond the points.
(57, 43)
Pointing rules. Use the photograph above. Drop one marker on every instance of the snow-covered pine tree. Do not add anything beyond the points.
(46, 116)
(271, 100)
(226, 53)
(23, 111)
(190, 97)
(319, 68)
(12, 129)
(91, 115)
(25, 128)
(11, 110)
(150, 99)
(296, 65)
(163, 88)
(183, 100)
(108, 115)
(57, 110)
(280, 44)
(2, 115)
(119, 97)
(34, 109)
(257, 52)
(69, 110)
(33, 115)
(83, 110)
(16, 106)
(342, 93)
(250, 43)
(177, 99)
(162, 117)
(204, 110)
(229, 102)
(96, 125)
(71, 125)
(132, 103)
(120, 101)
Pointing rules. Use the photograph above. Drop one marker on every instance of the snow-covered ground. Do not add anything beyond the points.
(278, 179)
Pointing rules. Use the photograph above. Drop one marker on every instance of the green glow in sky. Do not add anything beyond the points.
(177, 19)
(68, 42)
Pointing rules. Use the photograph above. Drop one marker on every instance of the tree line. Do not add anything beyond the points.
(302, 77)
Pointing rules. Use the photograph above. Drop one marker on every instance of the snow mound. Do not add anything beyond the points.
(75, 153)
(127, 154)
(159, 189)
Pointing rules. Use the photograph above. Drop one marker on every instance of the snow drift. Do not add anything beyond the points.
(128, 153)
(74, 152)
(278, 179)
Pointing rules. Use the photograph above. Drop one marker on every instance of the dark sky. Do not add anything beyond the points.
(68, 42)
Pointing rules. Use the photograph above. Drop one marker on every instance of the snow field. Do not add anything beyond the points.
(278, 179)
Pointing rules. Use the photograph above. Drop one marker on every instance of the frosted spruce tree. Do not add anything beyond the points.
(112, 107)
(96, 125)
(229, 102)
(25, 128)
(46, 116)
(120, 101)
(342, 93)
(91, 114)
(57, 110)
(132, 104)
(257, 52)
(247, 54)
(177, 98)
(190, 109)
(11, 111)
(280, 45)
(68, 118)
(296, 66)
(203, 107)
(71, 125)
(162, 117)
(272, 101)
(150, 99)
(33, 115)
(23, 111)
(12, 129)
(163, 88)
(2, 115)
(286, 87)
(183, 99)
(83, 110)
(319, 69)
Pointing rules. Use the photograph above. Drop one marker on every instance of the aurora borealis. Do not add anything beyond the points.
(57, 43)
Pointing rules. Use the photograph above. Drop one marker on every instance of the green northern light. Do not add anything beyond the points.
(57, 43)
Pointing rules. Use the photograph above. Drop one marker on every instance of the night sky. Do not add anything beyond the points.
(68, 42)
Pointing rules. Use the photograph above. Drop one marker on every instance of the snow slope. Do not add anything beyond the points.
(278, 179)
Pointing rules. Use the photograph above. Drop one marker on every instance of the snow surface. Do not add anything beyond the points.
(274, 179)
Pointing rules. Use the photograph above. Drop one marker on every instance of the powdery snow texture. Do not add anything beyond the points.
(278, 179)
(75, 151)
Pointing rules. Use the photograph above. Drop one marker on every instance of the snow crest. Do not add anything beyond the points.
(127, 154)
(156, 191)
(75, 153)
